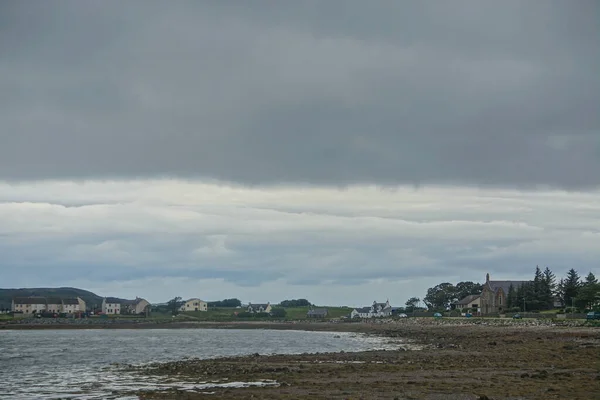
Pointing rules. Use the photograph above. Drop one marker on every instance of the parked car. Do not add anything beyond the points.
(468, 315)
(593, 315)
(437, 315)
(402, 316)
(517, 316)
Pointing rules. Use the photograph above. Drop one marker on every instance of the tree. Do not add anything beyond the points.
(174, 305)
(227, 303)
(440, 296)
(589, 293)
(278, 312)
(412, 303)
(570, 287)
(464, 289)
(511, 297)
(548, 289)
(295, 303)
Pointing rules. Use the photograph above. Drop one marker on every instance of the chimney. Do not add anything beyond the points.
(487, 278)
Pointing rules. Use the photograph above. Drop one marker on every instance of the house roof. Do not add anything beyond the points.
(113, 300)
(318, 311)
(193, 299)
(54, 300)
(30, 300)
(363, 310)
(505, 285)
(468, 299)
(71, 300)
(258, 305)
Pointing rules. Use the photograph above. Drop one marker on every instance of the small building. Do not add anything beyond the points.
(317, 313)
(111, 305)
(375, 310)
(363, 312)
(469, 302)
(382, 309)
(136, 307)
(259, 308)
(73, 305)
(194, 305)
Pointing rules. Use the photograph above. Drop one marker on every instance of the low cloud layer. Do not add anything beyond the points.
(265, 244)
(336, 93)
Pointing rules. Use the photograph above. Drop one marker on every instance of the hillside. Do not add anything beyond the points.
(90, 298)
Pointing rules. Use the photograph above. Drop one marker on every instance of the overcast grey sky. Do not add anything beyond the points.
(249, 99)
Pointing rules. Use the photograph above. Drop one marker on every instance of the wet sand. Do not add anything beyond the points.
(457, 361)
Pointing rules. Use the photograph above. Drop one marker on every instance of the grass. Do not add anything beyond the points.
(228, 314)
(294, 313)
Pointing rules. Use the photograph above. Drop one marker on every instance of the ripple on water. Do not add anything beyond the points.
(67, 364)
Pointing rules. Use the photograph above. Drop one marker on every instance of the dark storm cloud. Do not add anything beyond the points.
(500, 93)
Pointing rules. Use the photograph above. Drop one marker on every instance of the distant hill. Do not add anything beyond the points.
(91, 299)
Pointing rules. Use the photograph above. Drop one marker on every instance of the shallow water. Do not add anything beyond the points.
(82, 364)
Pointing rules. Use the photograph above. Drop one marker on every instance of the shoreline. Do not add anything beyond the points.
(307, 325)
(453, 362)
(437, 359)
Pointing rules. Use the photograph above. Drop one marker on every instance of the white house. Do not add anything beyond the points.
(194, 305)
(73, 305)
(111, 305)
(375, 310)
(259, 308)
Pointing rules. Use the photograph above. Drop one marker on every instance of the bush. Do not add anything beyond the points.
(278, 313)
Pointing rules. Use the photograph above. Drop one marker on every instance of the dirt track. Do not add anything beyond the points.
(457, 362)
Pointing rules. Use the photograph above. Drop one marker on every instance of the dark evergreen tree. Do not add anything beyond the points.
(570, 287)
(511, 297)
(548, 288)
(535, 299)
(589, 293)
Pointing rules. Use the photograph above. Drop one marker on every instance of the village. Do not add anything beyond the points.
(493, 298)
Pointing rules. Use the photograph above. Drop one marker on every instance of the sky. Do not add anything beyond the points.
(338, 151)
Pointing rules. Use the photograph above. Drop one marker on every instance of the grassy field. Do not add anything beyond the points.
(228, 314)
(300, 312)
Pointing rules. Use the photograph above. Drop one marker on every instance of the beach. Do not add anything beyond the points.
(443, 361)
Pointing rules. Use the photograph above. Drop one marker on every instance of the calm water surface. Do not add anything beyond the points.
(81, 364)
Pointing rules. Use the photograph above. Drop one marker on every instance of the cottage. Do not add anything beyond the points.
(317, 313)
(469, 302)
(375, 310)
(382, 309)
(73, 305)
(494, 294)
(194, 305)
(363, 312)
(259, 308)
(135, 307)
(111, 305)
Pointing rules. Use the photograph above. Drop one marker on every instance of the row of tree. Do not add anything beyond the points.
(542, 292)
(538, 294)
